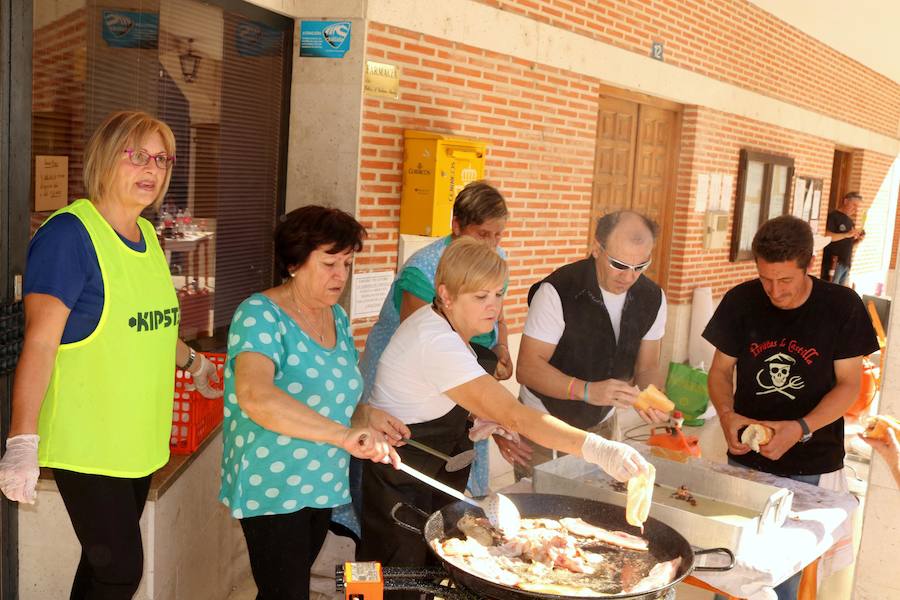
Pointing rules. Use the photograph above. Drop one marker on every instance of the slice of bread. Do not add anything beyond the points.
(877, 426)
(757, 435)
(653, 397)
(639, 498)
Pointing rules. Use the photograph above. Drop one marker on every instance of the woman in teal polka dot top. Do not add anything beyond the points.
(292, 389)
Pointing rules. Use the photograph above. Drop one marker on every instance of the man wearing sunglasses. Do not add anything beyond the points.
(592, 337)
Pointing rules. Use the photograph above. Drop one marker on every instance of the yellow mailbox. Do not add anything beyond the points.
(435, 168)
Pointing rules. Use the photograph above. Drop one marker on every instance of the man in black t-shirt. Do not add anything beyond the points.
(797, 344)
(842, 230)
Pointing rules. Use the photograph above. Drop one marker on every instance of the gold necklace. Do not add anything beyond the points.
(298, 307)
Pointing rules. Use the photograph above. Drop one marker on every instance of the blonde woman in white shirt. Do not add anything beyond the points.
(429, 378)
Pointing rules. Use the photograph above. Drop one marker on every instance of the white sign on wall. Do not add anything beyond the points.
(369, 291)
(714, 192)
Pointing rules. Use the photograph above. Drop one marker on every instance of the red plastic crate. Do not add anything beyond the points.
(194, 416)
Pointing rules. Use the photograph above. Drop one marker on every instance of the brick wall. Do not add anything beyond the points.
(733, 41)
(711, 142)
(896, 241)
(868, 177)
(540, 124)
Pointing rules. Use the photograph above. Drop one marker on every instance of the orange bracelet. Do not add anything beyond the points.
(569, 393)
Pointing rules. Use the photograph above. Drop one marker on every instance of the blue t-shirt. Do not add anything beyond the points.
(62, 263)
(264, 472)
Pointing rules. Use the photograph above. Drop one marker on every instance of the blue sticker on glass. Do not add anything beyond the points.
(127, 29)
(329, 39)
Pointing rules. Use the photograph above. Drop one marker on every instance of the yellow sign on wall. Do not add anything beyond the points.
(382, 80)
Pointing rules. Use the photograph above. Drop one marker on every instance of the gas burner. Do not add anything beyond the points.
(362, 581)
(359, 581)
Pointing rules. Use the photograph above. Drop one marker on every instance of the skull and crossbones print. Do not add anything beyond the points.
(779, 372)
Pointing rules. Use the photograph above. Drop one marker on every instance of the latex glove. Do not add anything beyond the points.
(620, 460)
(483, 429)
(19, 469)
(205, 375)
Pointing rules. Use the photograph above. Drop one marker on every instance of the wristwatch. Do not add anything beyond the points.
(192, 355)
(807, 434)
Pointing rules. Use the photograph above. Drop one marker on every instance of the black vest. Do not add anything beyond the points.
(588, 349)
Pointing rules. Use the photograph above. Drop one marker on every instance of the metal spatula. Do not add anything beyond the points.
(456, 462)
(500, 510)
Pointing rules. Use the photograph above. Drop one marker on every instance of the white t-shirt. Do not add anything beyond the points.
(424, 359)
(545, 323)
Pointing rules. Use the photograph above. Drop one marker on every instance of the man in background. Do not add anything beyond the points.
(841, 228)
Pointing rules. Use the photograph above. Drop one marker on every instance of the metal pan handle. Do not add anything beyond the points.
(428, 449)
(404, 524)
(724, 551)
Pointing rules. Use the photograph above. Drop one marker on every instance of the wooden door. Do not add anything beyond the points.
(637, 144)
(614, 162)
(653, 178)
(840, 178)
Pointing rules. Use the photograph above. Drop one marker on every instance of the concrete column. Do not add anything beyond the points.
(326, 109)
(876, 563)
(326, 112)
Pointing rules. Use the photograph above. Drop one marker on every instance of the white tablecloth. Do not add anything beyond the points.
(818, 518)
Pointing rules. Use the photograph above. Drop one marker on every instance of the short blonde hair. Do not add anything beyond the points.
(118, 132)
(468, 265)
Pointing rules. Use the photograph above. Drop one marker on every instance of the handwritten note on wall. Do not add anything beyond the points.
(368, 293)
(51, 182)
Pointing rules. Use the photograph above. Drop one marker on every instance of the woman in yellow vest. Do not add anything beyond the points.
(92, 396)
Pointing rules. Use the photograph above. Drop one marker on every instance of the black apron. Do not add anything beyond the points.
(486, 357)
(383, 486)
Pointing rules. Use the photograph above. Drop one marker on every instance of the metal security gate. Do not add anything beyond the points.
(15, 186)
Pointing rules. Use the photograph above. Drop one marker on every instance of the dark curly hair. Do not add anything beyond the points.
(304, 229)
(782, 239)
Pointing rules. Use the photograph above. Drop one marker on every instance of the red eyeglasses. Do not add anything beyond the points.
(141, 158)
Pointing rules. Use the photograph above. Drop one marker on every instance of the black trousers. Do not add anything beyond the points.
(282, 550)
(105, 513)
(383, 486)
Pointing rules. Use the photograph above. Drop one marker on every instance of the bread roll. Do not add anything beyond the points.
(757, 435)
(640, 496)
(652, 397)
(877, 426)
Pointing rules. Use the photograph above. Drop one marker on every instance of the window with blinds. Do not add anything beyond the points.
(218, 73)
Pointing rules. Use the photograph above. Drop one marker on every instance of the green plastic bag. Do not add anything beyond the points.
(686, 387)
